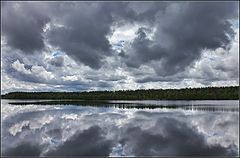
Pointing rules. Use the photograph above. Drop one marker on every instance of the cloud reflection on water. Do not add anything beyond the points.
(85, 130)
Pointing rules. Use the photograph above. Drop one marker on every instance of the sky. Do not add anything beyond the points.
(85, 46)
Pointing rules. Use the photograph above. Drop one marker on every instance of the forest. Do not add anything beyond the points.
(206, 93)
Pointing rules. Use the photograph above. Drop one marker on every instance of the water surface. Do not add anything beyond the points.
(120, 128)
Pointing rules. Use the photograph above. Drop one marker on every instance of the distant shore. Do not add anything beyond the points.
(207, 93)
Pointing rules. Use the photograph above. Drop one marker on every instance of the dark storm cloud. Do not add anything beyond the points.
(175, 139)
(79, 29)
(143, 50)
(83, 35)
(183, 31)
(23, 149)
(84, 32)
(90, 142)
(23, 26)
(180, 32)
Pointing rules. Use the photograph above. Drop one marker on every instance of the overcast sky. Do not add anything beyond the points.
(81, 46)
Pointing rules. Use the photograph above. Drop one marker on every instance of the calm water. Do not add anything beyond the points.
(121, 128)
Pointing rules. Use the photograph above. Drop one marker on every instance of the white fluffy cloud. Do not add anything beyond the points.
(70, 78)
(20, 67)
(36, 71)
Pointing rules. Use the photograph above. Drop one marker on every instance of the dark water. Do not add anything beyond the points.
(120, 128)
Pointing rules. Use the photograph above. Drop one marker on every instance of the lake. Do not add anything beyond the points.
(120, 128)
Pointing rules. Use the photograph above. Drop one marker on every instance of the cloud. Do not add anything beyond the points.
(35, 72)
(23, 149)
(123, 45)
(90, 142)
(23, 25)
(70, 78)
(57, 61)
(145, 79)
(174, 138)
(219, 65)
(83, 34)
(20, 67)
(183, 31)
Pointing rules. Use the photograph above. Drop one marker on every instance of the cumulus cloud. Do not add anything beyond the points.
(69, 78)
(85, 28)
(183, 31)
(34, 72)
(57, 61)
(24, 149)
(120, 45)
(20, 67)
(23, 25)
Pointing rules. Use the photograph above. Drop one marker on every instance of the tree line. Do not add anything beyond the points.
(213, 93)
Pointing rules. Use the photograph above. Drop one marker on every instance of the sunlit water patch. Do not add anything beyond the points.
(120, 128)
